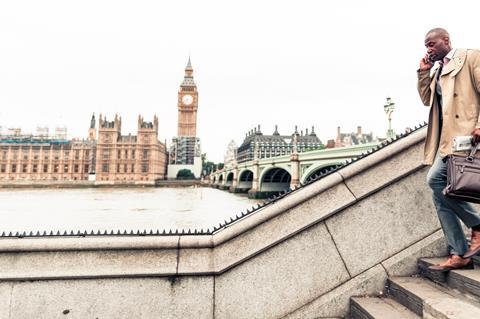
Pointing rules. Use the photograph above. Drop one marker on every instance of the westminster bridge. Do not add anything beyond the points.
(262, 178)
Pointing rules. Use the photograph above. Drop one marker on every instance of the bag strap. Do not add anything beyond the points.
(471, 156)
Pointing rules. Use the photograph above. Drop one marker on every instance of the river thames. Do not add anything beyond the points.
(117, 208)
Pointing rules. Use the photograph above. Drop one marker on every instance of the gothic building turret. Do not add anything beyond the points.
(140, 158)
(92, 132)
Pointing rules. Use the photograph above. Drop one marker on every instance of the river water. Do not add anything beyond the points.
(115, 208)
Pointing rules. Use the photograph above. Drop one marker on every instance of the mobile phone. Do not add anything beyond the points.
(430, 59)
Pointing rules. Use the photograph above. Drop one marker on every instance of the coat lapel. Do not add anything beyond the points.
(456, 64)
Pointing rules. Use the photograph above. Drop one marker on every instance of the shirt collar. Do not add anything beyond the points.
(449, 55)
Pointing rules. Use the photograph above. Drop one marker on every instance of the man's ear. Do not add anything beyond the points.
(447, 40)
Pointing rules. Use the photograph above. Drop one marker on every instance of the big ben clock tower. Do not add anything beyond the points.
(185, 152)
(187, 104)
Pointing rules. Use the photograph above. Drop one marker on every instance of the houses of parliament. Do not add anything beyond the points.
(106, 156)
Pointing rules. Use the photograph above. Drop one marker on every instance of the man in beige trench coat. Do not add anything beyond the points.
(449, 83)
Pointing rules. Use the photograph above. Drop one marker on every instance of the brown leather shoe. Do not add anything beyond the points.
(453, 262)
(474, 245)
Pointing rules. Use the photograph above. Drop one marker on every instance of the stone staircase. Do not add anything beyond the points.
(452, 295)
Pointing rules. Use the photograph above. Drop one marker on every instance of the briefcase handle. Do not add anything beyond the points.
(471, 156)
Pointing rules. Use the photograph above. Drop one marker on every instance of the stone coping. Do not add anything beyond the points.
(231, 231)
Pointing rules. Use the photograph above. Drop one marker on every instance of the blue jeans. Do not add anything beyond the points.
(450, 211)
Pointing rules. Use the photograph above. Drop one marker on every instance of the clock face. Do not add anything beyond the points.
(187, 99)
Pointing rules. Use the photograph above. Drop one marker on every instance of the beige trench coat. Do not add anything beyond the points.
(460, 83)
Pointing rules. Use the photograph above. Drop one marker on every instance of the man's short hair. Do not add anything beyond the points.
(440, 31)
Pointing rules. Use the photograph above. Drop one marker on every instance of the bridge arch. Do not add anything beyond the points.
(275, 179)
(229, 180)
(245, 180)
(220, 179)
(318, 169)
(285, 166)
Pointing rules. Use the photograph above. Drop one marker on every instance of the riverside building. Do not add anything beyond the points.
(353, 138)
(39, 157)
(112, 158)
(257, 145)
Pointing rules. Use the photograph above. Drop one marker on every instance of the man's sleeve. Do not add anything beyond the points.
(423, 86)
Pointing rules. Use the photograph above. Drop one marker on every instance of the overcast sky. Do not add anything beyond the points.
(289, 63)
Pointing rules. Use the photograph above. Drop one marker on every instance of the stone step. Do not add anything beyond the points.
(378, 308)
(431, 300)
(466, 280)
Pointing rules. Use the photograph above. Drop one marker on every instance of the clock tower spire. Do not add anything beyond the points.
(187, 104)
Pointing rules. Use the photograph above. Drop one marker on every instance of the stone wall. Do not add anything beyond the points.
(301, 257)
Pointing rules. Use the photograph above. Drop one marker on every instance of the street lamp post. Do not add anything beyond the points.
(389, 107)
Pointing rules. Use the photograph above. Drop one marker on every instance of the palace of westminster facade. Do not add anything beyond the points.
(106, 155)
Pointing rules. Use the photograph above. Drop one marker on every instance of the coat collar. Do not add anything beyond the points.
(456, 63)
